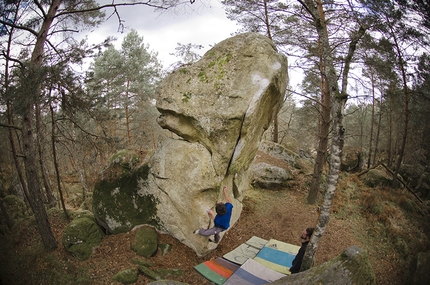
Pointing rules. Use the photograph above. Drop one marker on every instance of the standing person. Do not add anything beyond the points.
(297, 262)
(221, 220)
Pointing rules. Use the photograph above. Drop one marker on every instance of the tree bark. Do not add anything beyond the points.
(35, 194)
(324, 130)
(378, 131)
(406, 119)
(338, 105)
(18, 166)
(57, 171)
(50, 197)
(390, 133)
(372, 119)
(6, 216)
(275, 135)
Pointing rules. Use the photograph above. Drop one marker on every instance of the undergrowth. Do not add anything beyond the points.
(395, 221)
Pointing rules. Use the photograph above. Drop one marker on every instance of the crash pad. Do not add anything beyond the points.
(277, 255)
(217, 270)
(246, 250)
(253, 273)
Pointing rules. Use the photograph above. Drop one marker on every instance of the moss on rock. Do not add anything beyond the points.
(81, 236)
(377, 178)
(15, 207)
(145, 242)
(119, 205)
(127, 276)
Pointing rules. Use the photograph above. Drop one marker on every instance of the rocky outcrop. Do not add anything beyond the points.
(219, 109)
(351, 267)
(118, 205)
(377, 177)
(278, 167)
(269, 177)
(279, 152)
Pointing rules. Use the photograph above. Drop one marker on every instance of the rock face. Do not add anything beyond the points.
(219, 108)
(118, 204)
(227, 99)
(351, 267)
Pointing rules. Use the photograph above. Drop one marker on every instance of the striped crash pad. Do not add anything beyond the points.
(277, 255)
(217, 270)
(247, 250)
(253, 273)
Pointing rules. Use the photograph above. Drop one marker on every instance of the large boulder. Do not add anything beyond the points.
(118, 204)
(227, 99)
(274, 165)
(350, 267)
(15, 207)
(377, 177)
(423, 185)
(279, 152)
(269, 176)
(219, 108)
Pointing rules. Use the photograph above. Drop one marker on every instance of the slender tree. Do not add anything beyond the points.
(338, 99)
(397, 27)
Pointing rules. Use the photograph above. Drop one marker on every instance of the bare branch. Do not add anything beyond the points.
(10, 126)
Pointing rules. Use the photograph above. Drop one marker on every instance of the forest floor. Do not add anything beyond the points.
(268, 214)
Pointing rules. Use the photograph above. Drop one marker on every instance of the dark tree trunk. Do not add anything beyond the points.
(6, 216)
(406, 118)
(372, 119)
(35, 195)
(57, 171)
(50, 197)
(324, 129)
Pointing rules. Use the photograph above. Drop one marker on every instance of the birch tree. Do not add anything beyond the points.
(338, 100)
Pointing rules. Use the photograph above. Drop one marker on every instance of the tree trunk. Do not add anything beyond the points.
(127, 115)
(406, 119)
(57, 171)
(378, 131)
(6, 216)
(338, 104)
(390, 133)
(324, 129)
(36, 201)
(50, 197)
(372, 119)
(275, 135)
(15, 156)
(35, 195)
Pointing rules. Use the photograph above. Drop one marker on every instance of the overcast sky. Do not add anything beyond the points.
(200, 23)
